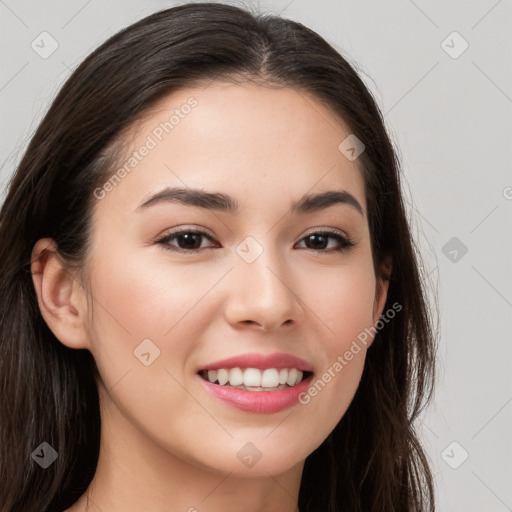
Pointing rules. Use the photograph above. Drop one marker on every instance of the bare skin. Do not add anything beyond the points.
(167, 444)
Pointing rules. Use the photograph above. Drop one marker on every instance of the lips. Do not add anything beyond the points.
(261, 361)
(257, 402)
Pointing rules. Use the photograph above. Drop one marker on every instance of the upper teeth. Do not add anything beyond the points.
(269, 378)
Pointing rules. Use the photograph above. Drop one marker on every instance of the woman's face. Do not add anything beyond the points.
(258, 283)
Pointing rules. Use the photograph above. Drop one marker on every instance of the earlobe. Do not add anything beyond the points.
(58, 295)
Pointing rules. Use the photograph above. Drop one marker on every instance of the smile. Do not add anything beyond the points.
(256, 399)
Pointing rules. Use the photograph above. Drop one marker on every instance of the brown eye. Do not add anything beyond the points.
(319, 241)
(187, 240)
(190, 241)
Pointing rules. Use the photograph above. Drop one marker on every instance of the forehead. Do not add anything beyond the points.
(250, 141)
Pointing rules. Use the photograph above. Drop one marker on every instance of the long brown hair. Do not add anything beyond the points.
(373, 459)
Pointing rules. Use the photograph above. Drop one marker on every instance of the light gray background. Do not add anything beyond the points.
(451, 118)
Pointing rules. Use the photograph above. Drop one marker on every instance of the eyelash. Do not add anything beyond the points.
(345, 243)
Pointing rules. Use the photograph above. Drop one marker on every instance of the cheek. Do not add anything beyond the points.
(342, 300)
(150, 299)
(135, 301)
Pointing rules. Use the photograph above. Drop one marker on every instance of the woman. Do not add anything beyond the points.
(210, 296)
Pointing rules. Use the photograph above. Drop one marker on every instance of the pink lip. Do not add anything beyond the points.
(261, 361)
(258, 401)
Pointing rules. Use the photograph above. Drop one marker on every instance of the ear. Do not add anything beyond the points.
(61, 298)
(381, 288)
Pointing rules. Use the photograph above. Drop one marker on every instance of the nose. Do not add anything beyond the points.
(262, 293)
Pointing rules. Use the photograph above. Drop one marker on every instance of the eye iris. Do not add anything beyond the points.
(315, 239)
(195, 238)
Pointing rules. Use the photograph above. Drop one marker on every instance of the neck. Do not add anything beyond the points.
(135, 473)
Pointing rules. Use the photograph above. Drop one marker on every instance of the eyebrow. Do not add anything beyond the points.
(225, 203)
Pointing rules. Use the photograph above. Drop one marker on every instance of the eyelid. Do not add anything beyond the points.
(324, 230)
(187, 229)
